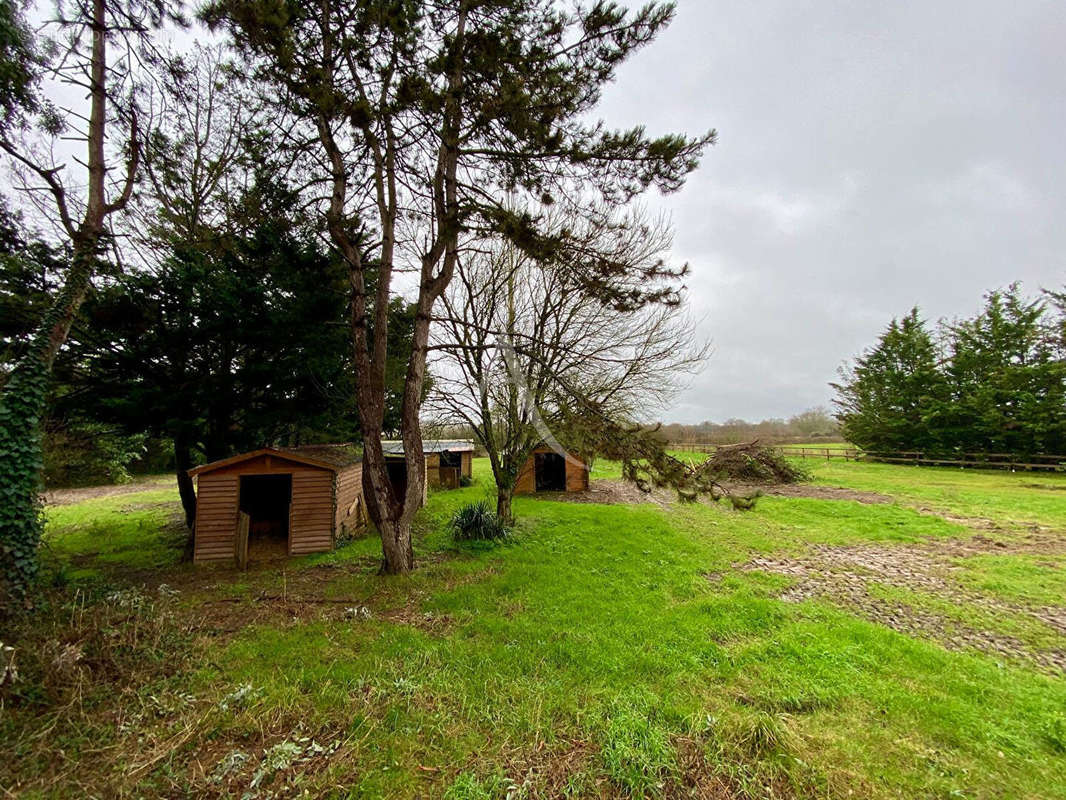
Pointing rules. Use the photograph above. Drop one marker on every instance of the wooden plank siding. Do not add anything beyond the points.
(577, 475)
(433, 469)
(311, 513)
(216, 516)
(351, 513)
(438, 476)
(526, 482)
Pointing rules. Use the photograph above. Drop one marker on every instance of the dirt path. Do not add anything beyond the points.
(65, 497)
(816, 492)
(615, 492)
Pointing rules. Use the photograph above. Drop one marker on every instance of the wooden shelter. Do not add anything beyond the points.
(447, 460)
(549, 471)
(278, 501)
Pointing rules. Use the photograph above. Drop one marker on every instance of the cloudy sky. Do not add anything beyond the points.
(871, 156)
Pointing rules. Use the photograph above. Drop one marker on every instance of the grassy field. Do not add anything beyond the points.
(887, 631)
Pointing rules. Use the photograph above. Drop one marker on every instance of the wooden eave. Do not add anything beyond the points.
(265, 451)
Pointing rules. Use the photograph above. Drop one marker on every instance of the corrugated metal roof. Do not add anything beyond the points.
(395, 448)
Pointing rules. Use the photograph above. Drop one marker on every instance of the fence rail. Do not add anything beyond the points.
(1010, 461)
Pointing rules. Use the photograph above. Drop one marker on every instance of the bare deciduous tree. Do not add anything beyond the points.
(418, 119)
(520, 348)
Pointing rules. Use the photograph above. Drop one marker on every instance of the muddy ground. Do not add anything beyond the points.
(850, 576)
(855, 577)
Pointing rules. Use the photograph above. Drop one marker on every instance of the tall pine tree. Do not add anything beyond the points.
(886, 397)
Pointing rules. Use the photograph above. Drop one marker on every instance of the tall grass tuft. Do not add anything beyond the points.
(477, 522)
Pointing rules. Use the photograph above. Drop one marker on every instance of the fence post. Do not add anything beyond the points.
(240, 547)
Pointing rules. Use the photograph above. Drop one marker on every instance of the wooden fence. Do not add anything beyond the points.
(1047, 463)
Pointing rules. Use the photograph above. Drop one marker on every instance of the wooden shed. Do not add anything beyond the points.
(298, 500)
(549, 471)
(447, 460)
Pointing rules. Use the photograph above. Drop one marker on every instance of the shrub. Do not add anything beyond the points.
(89, 453)
(477, 522)
(465, 480)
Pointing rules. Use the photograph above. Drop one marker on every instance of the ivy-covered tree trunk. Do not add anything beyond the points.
(22, 402)
(22, 406)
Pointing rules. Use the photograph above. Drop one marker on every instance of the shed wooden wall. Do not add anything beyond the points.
(577, 475)
(311, 518)
(216, 516)
(433, 469)
(351, 513)
(311, 515)
(526, 482)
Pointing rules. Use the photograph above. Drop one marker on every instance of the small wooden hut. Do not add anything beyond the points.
(447, 460)
(549, 471)
(294, 500)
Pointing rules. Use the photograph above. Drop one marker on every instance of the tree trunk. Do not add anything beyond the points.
(397, 548)
(386, 511)
(183, 463)
(22, 406)
(22, 401)
(504, 494)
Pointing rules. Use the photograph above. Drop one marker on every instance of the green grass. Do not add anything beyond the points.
(138, 531)
(832, 446)
(1038, 579)
(1012, 499)
(601, 650)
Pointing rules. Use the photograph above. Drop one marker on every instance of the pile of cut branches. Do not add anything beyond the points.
(753, 463)
(727, 474)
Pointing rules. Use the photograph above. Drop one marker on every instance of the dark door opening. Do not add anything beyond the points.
(266, 499)
(451, 465)
(550, 472)
(397, 469)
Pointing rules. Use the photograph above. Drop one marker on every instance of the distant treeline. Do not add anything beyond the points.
(811, 425)
(995, 383)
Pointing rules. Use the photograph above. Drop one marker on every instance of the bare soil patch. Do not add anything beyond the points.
(815, 492)
(615, 492)
(620, 492)
(846, 576)
(65, 497)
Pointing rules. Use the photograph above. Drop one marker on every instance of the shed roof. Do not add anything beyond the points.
(395, 448)
(340, 455)
(328, 456)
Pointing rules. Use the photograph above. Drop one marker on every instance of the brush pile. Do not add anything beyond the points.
(753, 463)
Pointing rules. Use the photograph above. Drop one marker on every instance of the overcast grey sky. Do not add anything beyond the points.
(871, 156)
